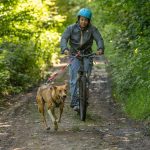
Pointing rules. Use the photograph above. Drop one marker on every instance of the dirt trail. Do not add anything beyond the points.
(106, 128)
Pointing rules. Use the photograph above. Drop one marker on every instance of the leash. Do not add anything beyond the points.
(53, 76)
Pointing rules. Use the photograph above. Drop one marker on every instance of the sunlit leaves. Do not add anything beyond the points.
(29, 41)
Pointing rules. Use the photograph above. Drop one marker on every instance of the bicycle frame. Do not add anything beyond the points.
(82, 82)
(83, 86)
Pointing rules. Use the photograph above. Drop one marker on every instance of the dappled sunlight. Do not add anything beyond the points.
(4, 125)
(116, 139)
(136, 51)
(4, 134)
(125, 139)
(31, 29)
(59, 18)
(55, 59)
(49, 39)
(21, 148)
(60, 64)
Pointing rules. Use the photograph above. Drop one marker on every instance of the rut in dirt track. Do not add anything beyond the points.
(106, 128)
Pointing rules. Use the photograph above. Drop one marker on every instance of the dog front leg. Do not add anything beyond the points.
(51, 113)
(60, 112)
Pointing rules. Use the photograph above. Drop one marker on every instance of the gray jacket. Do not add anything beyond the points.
(81, 39)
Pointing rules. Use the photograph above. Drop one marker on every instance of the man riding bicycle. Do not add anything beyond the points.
(80, 36)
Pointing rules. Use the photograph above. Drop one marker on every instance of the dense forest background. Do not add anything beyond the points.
(30, 31)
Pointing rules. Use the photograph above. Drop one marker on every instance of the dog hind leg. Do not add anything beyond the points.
(42, 111)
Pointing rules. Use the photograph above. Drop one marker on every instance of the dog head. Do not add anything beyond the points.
(60, 91)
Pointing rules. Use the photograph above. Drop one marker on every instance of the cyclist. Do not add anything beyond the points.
(80, 36)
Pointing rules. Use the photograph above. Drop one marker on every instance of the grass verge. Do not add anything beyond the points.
(138, 104)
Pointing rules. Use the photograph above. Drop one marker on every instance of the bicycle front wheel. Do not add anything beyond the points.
(83, 98)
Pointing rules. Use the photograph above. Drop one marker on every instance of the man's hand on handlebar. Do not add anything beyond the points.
(66, 52)
(100, 52)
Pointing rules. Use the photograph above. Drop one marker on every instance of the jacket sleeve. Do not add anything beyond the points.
(64, 39)
(98, 38)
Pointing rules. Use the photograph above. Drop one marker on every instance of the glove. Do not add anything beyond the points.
(66, 52)
(100, 52)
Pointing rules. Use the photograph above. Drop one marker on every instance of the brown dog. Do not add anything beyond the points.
(53, 97)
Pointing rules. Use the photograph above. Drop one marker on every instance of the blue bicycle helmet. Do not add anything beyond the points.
(85, 12)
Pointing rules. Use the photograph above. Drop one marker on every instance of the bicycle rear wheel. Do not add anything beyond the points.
(83, 98)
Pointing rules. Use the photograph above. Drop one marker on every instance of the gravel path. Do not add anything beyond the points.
(106, 127)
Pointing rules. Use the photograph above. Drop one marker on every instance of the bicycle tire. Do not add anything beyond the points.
(83, 98)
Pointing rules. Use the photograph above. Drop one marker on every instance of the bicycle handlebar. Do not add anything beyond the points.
(84, 55)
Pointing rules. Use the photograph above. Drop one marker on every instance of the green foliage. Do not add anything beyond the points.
(131, 69)
(29, 41)
(137, 104)
(22, 66)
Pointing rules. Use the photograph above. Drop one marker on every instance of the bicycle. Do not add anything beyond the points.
(83, 85)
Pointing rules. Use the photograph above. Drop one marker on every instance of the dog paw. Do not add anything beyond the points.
(48, 128)
(55, 126)
(58, 120)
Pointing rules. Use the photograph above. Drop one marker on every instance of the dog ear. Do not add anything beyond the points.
(53, 87)
(66, 83)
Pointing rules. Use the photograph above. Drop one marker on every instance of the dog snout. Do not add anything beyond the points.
(64, 96)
